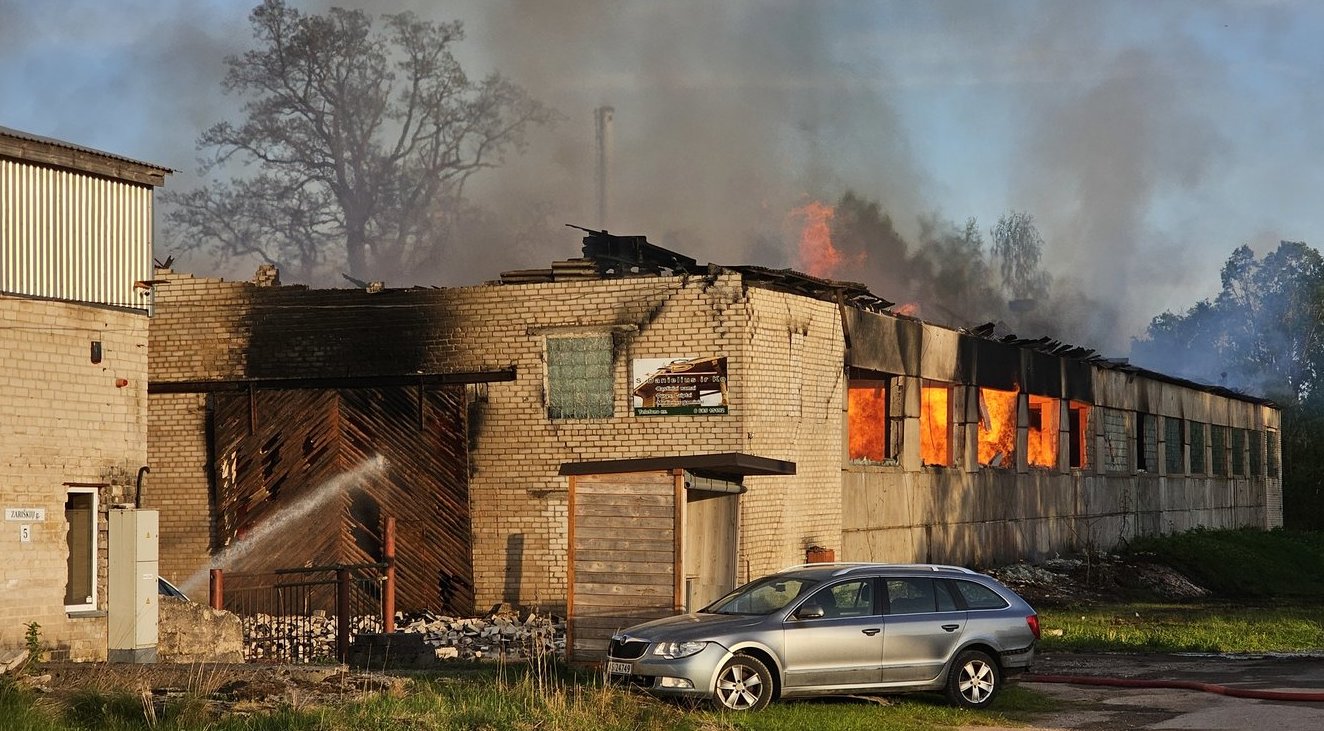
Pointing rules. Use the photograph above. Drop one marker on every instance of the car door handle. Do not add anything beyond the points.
(951, 627)
(871, 631)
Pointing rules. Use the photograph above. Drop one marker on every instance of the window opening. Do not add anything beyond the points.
(1041, 437)
(1146, 443)
(1239, 452)
(1116, 441)
(1218, 450)
(579, 377)
(1271, 453)
(935, 429)
(1173, 443)
(1256, 453)
(1078, 427)
(80, 512)
(997, 428)
(1197, 430)
(872, 434)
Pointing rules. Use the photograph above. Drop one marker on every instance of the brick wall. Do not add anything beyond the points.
(213, 329)
(64, 419)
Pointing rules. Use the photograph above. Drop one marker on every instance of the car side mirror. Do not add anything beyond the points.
(812, 610)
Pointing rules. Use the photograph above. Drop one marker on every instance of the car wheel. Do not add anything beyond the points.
(743, 684)
(974, 680)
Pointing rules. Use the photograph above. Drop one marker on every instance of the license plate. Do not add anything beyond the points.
(618, 668)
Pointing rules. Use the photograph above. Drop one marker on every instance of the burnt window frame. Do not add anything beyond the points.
(1146, 442)
(1031, 414)
(893, 418)
(950, 388)
(1078, 434)
(1007, 464)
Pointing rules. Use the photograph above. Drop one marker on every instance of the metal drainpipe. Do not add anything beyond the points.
(138, 494)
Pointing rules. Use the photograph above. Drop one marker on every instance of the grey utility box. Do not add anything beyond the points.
(132, 600)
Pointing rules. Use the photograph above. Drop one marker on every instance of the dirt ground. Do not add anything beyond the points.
(227, 688)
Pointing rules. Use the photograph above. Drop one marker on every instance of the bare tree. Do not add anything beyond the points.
(362, 140)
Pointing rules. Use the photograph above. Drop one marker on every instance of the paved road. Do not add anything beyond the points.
(1094, 708)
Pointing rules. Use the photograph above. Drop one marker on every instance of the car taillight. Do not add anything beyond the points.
(1033, 621)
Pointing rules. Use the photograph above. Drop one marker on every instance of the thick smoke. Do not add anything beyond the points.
(730, 115)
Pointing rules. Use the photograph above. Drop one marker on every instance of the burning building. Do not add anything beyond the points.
(631, 433)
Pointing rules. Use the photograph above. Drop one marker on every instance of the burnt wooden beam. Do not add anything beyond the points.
(421, 379)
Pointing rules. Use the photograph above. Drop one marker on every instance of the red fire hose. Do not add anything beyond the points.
(1264, 695)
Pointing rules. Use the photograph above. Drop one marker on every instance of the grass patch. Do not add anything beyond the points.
(505, 698)
(1184, 628)
(1245, 563)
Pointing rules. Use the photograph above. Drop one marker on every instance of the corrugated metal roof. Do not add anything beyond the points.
(29, 137)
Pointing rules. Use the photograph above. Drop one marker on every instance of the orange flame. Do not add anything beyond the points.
(934, 443)
(997, 427)
(866, 420)
(910, 308)
(817, 256)
(1042, 435)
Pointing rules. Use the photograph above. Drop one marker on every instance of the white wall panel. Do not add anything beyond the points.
(70, 236)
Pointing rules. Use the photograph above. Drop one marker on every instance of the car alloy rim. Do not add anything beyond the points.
(739, 687)
(976, 681)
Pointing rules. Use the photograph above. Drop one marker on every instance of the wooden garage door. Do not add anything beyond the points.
(623, 554)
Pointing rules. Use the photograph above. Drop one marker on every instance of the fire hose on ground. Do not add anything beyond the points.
(1265, 695)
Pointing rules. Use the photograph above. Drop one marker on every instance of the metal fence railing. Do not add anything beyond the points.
(305, 614)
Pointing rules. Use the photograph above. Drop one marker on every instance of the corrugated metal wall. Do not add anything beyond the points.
(70, 236)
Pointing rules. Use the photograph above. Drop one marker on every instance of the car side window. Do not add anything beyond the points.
(910, 596)
(946, 602)
(847, 599)
(978, 596)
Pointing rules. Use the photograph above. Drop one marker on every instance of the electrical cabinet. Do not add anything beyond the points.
(132, 598)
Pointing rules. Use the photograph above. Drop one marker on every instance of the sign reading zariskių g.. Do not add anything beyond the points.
(34, 515)
(679, 386)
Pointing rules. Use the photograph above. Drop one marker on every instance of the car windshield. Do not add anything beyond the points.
(764, 596)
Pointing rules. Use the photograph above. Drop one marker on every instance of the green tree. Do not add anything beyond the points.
(362, 140)
(1261, 334)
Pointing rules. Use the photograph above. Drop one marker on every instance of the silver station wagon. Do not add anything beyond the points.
(837, 629)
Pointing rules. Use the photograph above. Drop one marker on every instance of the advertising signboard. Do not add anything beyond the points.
(679, 386)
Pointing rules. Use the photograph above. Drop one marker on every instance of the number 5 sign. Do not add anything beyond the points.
(25, 534)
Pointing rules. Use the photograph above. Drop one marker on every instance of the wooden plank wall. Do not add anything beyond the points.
(275, 448)
(624, 539)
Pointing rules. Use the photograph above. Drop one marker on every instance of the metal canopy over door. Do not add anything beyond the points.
(623, 554)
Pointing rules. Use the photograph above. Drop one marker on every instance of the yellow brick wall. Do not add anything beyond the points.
(64, 419)
(784, 363)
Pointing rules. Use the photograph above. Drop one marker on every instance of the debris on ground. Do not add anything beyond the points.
(1096, 578)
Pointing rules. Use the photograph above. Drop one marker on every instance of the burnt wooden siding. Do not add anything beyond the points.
(277, 452)
(624, 536)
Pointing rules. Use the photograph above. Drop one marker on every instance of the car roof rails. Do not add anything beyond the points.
(845, 567)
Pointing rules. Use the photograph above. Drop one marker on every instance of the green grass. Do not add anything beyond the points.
(507, 699)
(1243, 564)
(1266, 589)
(1184, 628)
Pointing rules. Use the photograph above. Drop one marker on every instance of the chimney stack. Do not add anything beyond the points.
(603, 117)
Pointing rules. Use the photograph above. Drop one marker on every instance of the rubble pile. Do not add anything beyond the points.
(506, 636)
